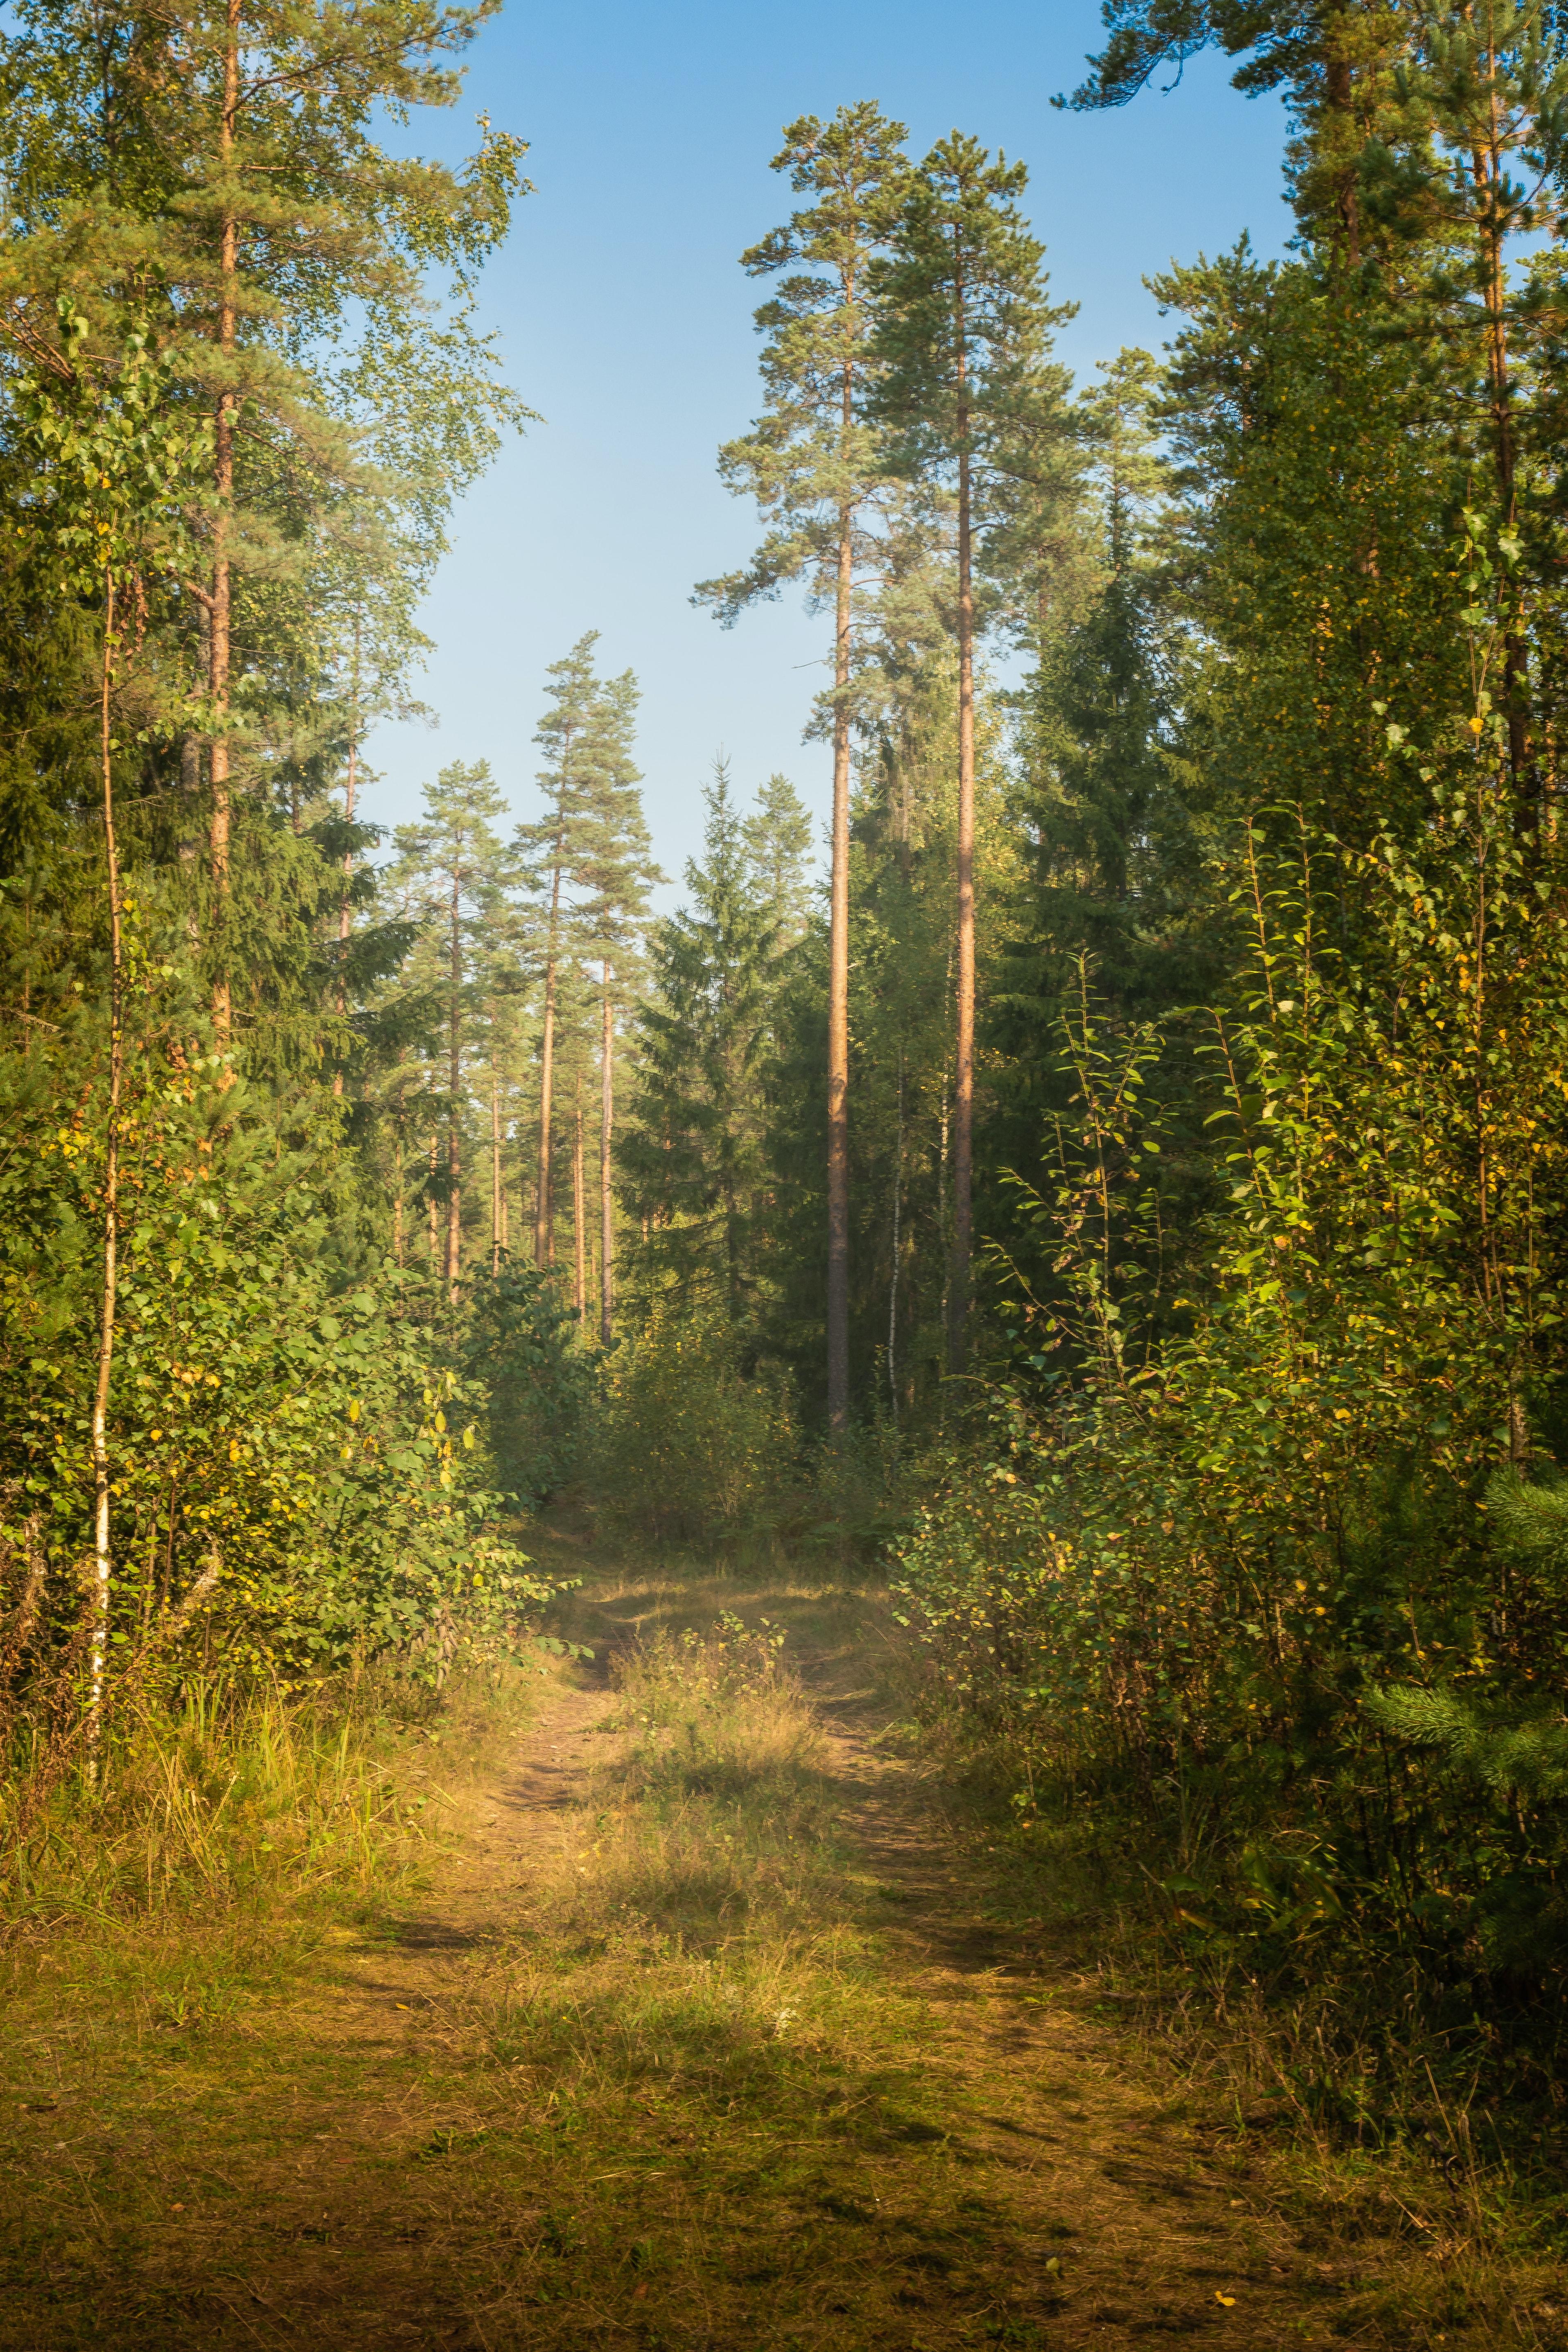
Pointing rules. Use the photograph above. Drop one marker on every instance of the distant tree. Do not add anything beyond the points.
(694, 1161)
(777, 838)
(580, 736)
(616, 871)
(456, 863)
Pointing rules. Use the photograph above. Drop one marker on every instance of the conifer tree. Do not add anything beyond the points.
(552, 848)
(972, 405)
(456, 863)
(215, 166)
(616, 871)
(777, 835)
(694, 1159)
(814, 469)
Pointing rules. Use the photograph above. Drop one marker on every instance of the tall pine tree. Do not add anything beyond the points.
(815, 469)
(972, 408)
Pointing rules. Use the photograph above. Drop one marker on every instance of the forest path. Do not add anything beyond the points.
(518, 2115)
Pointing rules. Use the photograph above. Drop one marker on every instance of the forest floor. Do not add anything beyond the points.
(698, 2034)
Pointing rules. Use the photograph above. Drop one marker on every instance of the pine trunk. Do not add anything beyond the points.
(607, 1122)
(838, 998)
(544, 1221)
(345, 925)
(397, 1197)
(220, 613)
(498, 1202)
(579, 1229)
(434, 1211)
(455, 1080)
(963, 1069)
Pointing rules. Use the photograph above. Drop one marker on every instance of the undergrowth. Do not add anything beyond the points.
(234, 1808)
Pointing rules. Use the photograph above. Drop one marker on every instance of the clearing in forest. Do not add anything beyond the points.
(697, 2037)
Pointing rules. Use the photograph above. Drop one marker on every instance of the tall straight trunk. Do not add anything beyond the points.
(498, 1202)
(434, 1208)
(102, 1561)
(607, 1122)
(964, 1067)
(1488, 172)
(221, 601)
(544, 1220)
(839, 989)
(397, 1195)
(345, 923)
(893, 1280)
(454, 1081)
(579, 1232)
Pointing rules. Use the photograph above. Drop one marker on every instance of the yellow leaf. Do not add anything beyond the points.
(1228, 2300)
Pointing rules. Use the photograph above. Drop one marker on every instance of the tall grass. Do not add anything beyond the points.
(224, 1796)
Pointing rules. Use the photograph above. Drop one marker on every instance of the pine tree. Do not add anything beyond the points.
(455, 863)
(694, 1160)
(970, 403)
(616, 871)
(816, 470)
(213, 170)
(552, 848)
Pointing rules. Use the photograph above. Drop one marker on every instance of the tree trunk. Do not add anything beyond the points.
(397, 1195)
(579, 1233)
(455, 1080)
(98, 1647)
(607, 1122)
(221, 601)
(964, 1070)
(345, 925)
(497, 1204)
(434, 1211)
(893, 1280)
(838, 995)
(1489, 172)
(544, 1221)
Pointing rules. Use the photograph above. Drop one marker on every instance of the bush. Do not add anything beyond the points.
(686, 1447)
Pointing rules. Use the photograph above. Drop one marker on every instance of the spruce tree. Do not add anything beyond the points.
(777, 835)
(972, 406)
(694, 1159)
(816, 470)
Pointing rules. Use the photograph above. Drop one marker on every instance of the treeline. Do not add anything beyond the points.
(241, 387)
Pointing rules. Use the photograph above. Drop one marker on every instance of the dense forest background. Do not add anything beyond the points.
(1134, 1187)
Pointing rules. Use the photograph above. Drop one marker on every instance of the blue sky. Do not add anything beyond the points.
(626, 323)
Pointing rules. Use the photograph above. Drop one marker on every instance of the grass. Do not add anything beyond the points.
(677, 2019)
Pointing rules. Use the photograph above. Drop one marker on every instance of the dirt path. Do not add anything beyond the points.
(531, 2112)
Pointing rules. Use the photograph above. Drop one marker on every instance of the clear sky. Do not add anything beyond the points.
(626, 323)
